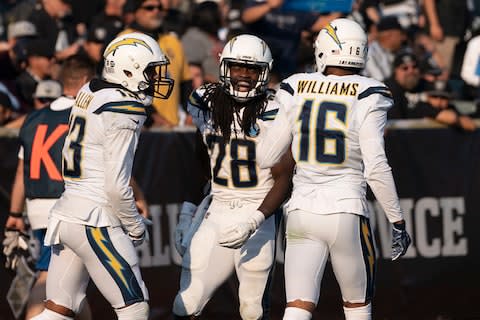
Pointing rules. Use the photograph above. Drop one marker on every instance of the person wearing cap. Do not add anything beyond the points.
(149, 15)
(416, 98)
(403, 83)
(56, 27)
(39, 66)
(13, 52)
(381, 52)
(437, 105)
(45, 93)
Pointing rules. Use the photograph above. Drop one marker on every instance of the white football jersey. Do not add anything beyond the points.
(104, 128)
(335, 126)
(235, 173)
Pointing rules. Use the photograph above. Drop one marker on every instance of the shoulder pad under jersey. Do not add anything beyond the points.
(119, 101)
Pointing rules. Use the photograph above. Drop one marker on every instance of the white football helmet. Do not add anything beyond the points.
(342, 43)
(136, 62)
(250, 50)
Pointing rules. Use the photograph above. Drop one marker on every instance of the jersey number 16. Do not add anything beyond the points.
(329, 143)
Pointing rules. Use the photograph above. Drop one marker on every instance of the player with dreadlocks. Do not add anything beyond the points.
(238, 233)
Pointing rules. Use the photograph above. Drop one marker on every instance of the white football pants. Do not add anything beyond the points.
(311, 238)
(106, 255)
(206, 264)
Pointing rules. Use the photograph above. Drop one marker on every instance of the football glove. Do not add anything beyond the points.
(15, 246)
(235, 236)
(184, 222)
(400, 240)
(137, 240)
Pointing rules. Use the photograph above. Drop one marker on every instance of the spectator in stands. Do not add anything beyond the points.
(108, 23)
(55, 27)
(46, 92)
(13, 57)
(5, 109)
(233, 19)
(17, 10)
(201, 41)
(149, 15)
(82, 14)
(430, 60)
(447, 22)
(39, 64)
(99, 34)
(407, 11)
(403, 84)
(95, 44)
(175, 21)
(416, 97)
(281, 30)
(439, 107)
(381, 52)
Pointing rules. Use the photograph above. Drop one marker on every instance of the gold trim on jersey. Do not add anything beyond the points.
(128, 107)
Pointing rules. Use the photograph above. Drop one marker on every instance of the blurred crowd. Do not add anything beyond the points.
(426, 51)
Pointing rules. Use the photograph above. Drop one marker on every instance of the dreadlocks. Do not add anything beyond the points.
(224, 108)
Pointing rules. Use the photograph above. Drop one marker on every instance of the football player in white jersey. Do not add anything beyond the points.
(95, 225)
(333, 121)
(238, 231)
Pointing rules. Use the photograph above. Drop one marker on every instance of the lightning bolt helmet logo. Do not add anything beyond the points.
(126, 42)
(332, 32)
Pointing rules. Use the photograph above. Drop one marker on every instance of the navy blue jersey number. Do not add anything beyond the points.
(75, 137)
(322, 133)
(236, 162)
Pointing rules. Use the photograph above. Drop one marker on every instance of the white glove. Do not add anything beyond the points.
(235, 236)
(15, 246)
(184, 222)
(137, 240)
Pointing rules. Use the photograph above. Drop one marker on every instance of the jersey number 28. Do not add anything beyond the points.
(236, 163)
